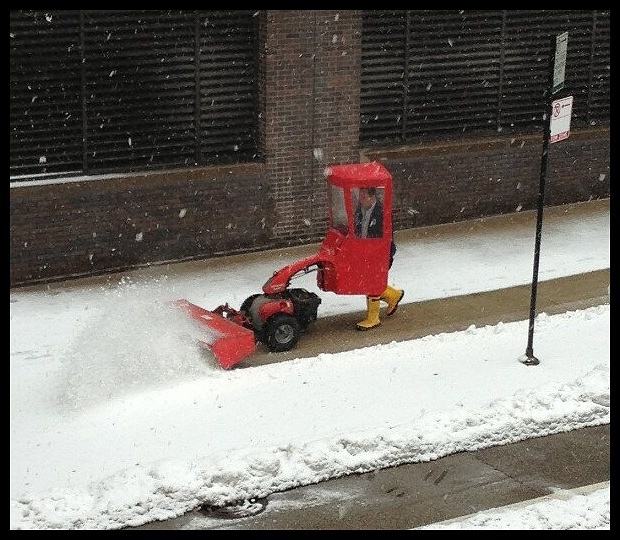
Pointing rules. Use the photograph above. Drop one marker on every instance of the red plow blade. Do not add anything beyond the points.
(229, 342)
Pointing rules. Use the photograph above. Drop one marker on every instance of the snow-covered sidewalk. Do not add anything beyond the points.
(118, 418)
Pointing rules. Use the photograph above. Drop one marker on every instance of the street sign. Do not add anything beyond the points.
(557, 127)
(559, 63)
(561, 110)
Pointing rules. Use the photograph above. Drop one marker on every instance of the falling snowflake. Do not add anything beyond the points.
(129, 141)
(450, 42)
(139, 237)
(182, 212)
(48, 17)
(42, 159)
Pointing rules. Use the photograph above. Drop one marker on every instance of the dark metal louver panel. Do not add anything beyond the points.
(114, 90)
(480, 71)
(45, 103)
(599, 100)
(139, 89)
(382, 75)
(527, 49)
(228, 100)
(454, 67)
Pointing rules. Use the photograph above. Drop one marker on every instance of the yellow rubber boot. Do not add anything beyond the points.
(372, 316)
(392, 297)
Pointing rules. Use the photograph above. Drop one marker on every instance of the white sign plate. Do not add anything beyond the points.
(559, 63)
(561, 110)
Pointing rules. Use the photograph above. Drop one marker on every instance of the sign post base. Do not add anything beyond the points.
(529, 360)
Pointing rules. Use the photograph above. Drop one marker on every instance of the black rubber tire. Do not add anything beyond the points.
(245, 307)
(282, 333)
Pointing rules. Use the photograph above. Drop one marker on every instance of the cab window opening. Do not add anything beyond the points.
(339, 219)
(368, 217)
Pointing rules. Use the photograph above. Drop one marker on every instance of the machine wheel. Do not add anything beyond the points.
(245, 307)
(282, 333)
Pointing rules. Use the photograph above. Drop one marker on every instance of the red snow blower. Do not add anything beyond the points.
(348, 262)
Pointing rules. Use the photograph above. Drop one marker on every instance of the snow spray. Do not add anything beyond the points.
(134, 342)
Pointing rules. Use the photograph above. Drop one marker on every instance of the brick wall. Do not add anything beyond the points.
(471, 178)
(309, 70)
(99, 225)
(312, 108)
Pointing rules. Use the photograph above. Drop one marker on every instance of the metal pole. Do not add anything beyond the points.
(529, 359)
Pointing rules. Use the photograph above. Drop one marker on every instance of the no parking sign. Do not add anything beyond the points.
(561, 110)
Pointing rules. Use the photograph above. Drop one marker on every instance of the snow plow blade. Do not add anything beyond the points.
(229, 342)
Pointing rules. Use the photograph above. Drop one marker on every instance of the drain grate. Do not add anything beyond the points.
(247, 508)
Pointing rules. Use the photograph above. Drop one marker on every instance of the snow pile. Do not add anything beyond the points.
(587, 512)
(132, 342)
(259, 445)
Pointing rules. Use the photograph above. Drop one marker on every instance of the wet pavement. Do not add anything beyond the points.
(418, 319)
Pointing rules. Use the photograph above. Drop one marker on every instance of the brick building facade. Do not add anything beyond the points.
(309, 65)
